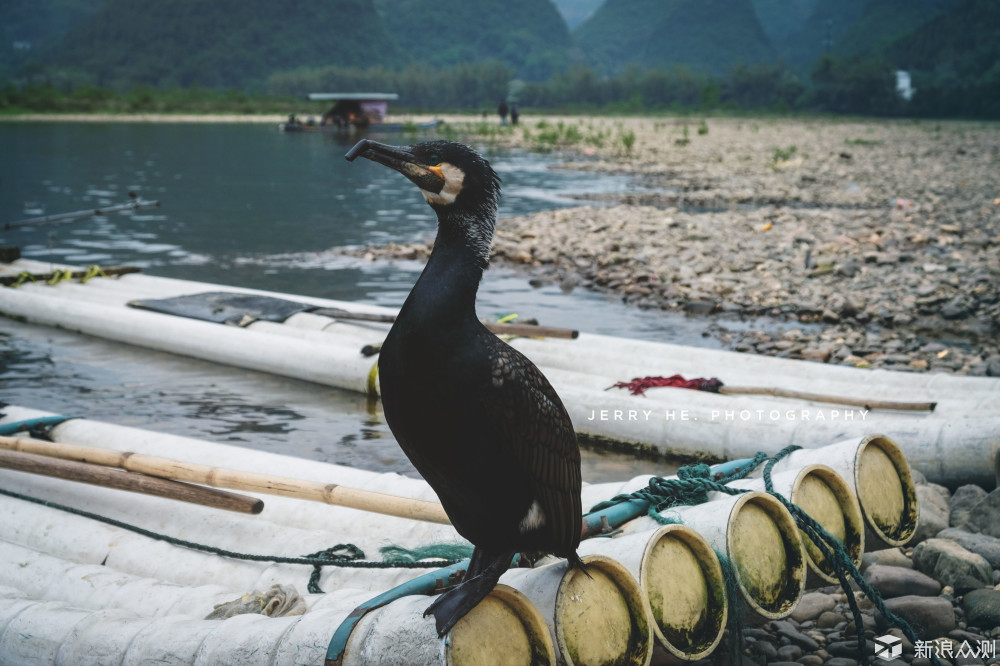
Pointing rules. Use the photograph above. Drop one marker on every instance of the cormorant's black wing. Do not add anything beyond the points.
(530, 418)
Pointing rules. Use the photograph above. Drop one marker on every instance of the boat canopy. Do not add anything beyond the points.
(358, 109)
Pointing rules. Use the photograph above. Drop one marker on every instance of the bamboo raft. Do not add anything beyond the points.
(324, 341)
(77, 591)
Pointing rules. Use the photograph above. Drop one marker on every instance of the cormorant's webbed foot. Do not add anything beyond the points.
(454, 604)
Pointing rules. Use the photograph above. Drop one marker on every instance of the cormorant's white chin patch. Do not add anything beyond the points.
(453, 180)
(532, 520)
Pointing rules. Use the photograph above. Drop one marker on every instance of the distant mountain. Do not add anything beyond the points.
(849, 28)
(961, 42)
(885, 21)
(528, 35)
(576, 12)
(709, 35)
(221, 43)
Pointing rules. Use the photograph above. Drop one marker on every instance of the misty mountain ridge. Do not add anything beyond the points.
(240, 43)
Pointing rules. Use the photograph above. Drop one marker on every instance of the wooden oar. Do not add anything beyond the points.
(98, 475)
(500, 328)
(219, 477)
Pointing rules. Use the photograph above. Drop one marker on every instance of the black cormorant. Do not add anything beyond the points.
(478, 420)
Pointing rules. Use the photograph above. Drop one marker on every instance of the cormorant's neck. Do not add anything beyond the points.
(448, 285)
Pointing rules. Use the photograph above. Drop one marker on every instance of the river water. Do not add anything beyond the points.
(245, 205)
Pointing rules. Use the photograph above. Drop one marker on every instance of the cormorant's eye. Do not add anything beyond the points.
(434, 159)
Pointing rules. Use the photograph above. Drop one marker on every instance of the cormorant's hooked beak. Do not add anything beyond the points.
(427, 177)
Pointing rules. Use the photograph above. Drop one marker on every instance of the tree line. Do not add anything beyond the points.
(862, 86)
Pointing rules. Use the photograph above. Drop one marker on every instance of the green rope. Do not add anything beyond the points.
(22, 277)
(341, 555)
(834, 553)
(94, 270)
(694, 482)
(59, 276)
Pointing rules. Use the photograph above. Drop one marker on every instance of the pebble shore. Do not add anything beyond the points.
(871, 243)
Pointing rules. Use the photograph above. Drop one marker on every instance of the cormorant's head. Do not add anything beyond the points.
(451, 176)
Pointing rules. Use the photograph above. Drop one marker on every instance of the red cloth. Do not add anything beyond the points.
(639, 385)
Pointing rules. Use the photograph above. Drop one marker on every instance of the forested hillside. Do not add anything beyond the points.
(221, 43)
(837, 56)
(709, 35)
(528, 35)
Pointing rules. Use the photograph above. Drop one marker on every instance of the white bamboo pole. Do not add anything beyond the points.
(598, 618)
(681, 582)
(826, 498)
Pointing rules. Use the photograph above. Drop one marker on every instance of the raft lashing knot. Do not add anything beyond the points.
(692, 485)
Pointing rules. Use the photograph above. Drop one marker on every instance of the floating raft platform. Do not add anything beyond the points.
(73, 590)
(302, 337)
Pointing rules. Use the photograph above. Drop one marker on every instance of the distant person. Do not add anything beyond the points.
(502, 110)
(514, 114)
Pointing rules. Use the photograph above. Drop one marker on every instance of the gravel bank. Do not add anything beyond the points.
(873, 243)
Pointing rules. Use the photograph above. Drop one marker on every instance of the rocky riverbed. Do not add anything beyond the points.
(945, 584)
(862, 242)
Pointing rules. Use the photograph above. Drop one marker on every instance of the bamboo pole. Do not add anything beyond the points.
(219, 477)
(835, 399)
(499, 328)
(135, 204)
(84, 472)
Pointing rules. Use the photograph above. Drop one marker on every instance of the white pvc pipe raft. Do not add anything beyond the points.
(598, 618)
(956, 444)
(37, 633)
(877, 471)
(758, 536)
(504, 629)
(826, 498)
(681, 582)
(637, 354)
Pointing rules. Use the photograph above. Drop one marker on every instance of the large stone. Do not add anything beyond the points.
(962, 503)
(930, 617)
(893, 557)
(811, 605)
(934, 512)
(981, 544)
(982, 608)
(985, 516)
(790, 653)
(788, 630)
(949, 563)
(899, 581)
